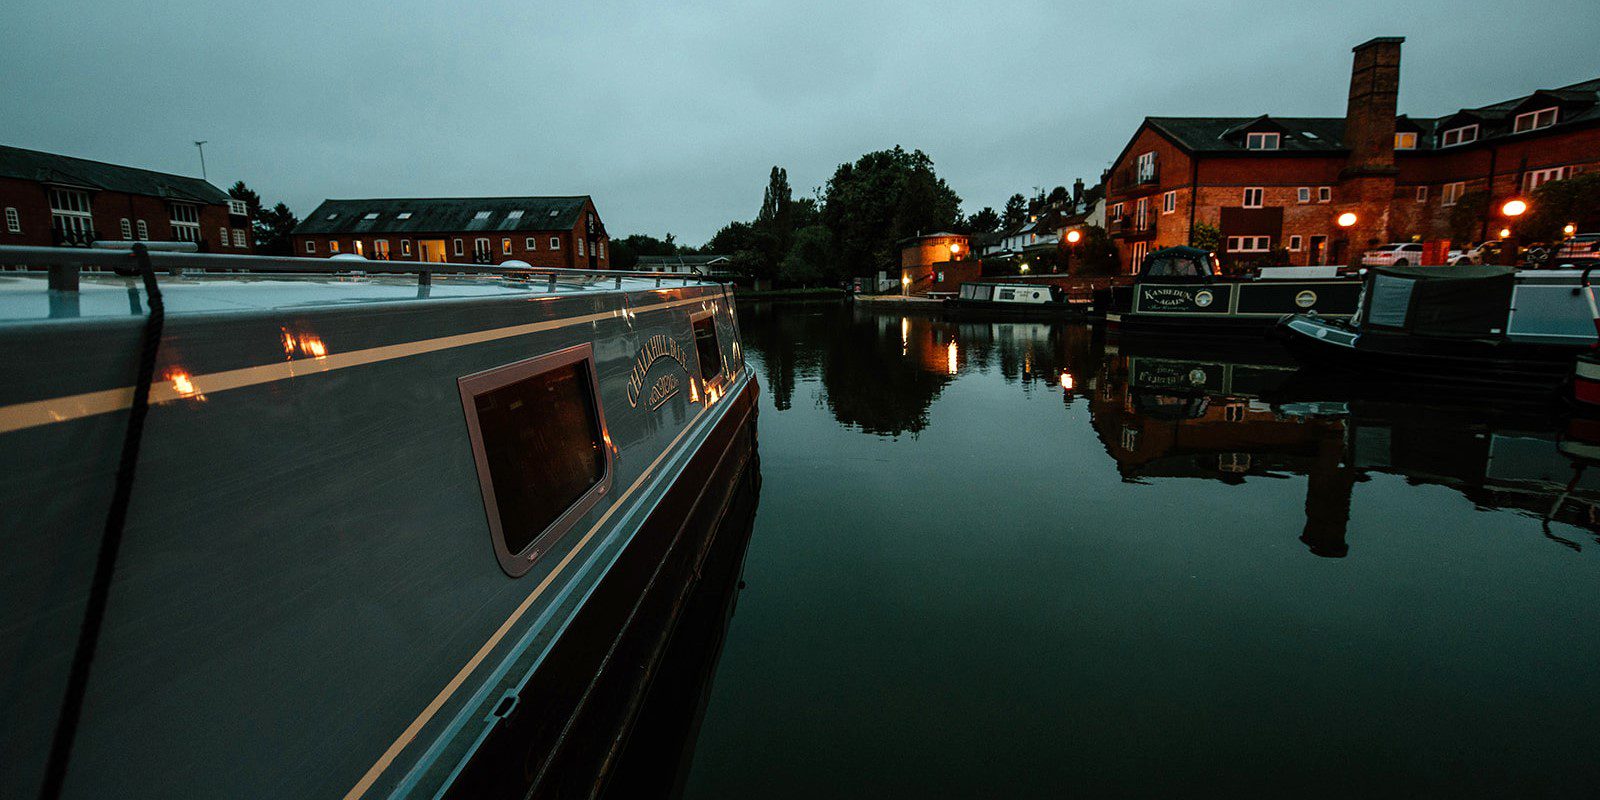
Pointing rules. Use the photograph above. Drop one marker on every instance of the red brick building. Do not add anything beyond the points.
(1272, 183)
(50, 200)
(542, 231)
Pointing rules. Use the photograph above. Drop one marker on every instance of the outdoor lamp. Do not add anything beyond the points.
(1505, 232)
(1514, 208)
(1346, 219)
(1569, 229)
(955, 247)
(1074, 236)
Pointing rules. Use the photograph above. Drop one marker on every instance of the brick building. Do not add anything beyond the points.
(50, 200)
(936, 262)
(542, 231)
(1281, 182)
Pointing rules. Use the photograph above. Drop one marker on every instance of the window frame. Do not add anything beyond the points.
(1302, 194)
(1264, 137)
(1402, 136)
(126, 228)
(405, 247)
(458, 247)
(238, 208)
(555, 243)
(143, 230)
(222, 235)
(724, 369)
(1448, 198)
(1461, 135)
(1261, 197)
(238, 238)
(505, 245)
(1296, 243)
(1169, 202)
(1254, 240)
(311, 246)
(1422, 194)
(13, 220)
(478, 383)
(1324, 194)
(531, 245)
(1533, 119)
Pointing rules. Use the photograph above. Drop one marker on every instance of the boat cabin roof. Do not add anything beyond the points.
(1179, 262)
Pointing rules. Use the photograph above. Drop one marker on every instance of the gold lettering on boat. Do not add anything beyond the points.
(654, 349)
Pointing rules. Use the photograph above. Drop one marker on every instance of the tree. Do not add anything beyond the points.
(810, 257)
(269, 228)
(1058, 195)
(625, 252)
(1096, 253)
(1205, 236)
(1467, 216)
(1556, 204)
(983, 221)
(1016, 210)
(773, 229)
(881, 198)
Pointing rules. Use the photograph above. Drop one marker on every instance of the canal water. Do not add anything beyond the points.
(1021, 559)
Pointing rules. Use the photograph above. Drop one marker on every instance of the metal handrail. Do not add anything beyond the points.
(65, 261)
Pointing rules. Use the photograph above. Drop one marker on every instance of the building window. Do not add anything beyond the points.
(1261, 141)
(127, 227)
(380, 249)
(1116, 213)
(1294, 243)
(1534, 120)
(505, 247)
(1141, 214)
(458, 248)
(530, 243)
(1303, 194)
(1324, 194)
(370, 215)
(1249, 244)
(1452, 192)
(238, 237)
(1169, 202)
(580, 247)
(69, 215)
(1405, 140)
(144, 231)
(1461, 135)
(238, 208)
(602, 251)
(1536, 178)
(333, 245)
(405, 247)
(1252, 197)
(13, 222)
(222, 237)
(186, 222)
(311, 247)
(480, 250)
(360, 251)
(480, 216)
(513, 215)
(1422, 194)
(403, 215)
(555, 243)
(1146, 167)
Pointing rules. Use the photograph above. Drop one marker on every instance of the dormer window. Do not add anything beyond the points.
(1534, 120)
(1461, 135)
(1405, 140)
(237, 208)
(1267, 140)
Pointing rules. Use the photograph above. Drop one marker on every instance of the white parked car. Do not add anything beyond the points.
(1584, 248)
(1486, 253)
(1396, 254)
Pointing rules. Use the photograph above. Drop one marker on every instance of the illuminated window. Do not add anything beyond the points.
(538, 437)
(405, 247)
(380, 249)
(360, 251)
(1534, 120)
(333, 245)
(13, 222)
(706, 347)
(505, 247)
(1405, 140)
(1461, 135)
(1253, 197)
(1261, 141)
(1451, 193)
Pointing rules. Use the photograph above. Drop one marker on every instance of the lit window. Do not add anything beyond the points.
(380, 249)
(505, 247)
(13, 222)
(127, 227)
(539, 441)
(458, 248)
(238, 237)
(403, 215)
(1324, 194)
(405, 247)
(707, 348)
(1253, 197)
(311, 247)
(1452, 192)
(1294, 243)
(1405, 140)
(1303, 194)
(1261, 141)
(1461, 135)
(1422, 194)
(530, 243)
(1169, 202)
(144, 231)
(333, 245)
(555, 243)
(360, 251)
(371, 215)
(1534, 120)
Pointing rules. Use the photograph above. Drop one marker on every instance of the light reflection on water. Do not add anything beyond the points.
(1015, 559)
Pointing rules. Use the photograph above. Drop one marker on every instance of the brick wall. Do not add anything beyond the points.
(32, 202)
(596, 249)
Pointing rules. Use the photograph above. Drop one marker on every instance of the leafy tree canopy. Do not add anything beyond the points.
(269, 227)
(984, 220)
(881, 198)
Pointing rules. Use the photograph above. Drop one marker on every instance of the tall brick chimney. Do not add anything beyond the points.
(1367, 181)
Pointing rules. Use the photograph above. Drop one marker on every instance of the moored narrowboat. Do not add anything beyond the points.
(1182, 290)
(342, 535)
(1476, 325)
(1032, 300)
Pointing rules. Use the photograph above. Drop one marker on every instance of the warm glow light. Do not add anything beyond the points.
(1066, 381)
(1569, 229)
(304, 345)
(1514, 208)
(1505, 232)
(950, 357)
(905, 280)
(955, 247)
(1347, 219)
(1073, 237)
(181, 384)
(1024, 266)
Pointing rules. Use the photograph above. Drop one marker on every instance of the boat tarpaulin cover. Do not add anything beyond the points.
(1464, 301)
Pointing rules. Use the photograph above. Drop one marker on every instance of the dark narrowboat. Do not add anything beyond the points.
(1182, 290)
(1028, 300)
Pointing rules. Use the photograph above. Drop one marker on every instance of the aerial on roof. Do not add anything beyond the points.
(34, 165)
(444, 215)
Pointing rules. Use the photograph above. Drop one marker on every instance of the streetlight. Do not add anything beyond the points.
(905, 285)
(1346, 219)
(955, 250)
(1342, 246)
(1024, 267)
(1514, 208)
(1569, 229)
(1074, 236)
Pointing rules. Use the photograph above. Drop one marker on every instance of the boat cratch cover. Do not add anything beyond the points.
(1464, 301)
(1179, 263)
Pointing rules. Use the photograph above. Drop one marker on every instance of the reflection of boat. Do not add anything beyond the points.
(379, 522)
(1485, 325)
(1181, 290)
(1032, 300)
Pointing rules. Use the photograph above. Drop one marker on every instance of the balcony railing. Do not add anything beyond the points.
(1128, 226)
(80, 237)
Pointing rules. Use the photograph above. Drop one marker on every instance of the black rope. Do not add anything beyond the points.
(111, 540)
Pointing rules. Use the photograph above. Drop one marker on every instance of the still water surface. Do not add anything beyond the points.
(1018, 559)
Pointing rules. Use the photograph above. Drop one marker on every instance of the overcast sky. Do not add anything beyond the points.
(671, 113)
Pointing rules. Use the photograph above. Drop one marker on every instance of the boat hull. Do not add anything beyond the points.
(1230, 308)
(957, 307)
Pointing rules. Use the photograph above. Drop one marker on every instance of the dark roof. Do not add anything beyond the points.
(444, 215)
(33, 165)
(698, 260)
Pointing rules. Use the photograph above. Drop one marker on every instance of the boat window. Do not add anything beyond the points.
(1008, 294)
(706, 347)
(1174, 267)
(540, 445)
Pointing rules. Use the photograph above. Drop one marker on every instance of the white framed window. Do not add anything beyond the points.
(1533, 179)
(529, 243)
(238, 237)
(1253, 197)
(1451, 193)
(13, 222)
(144, 230)
(1303, 194)
(1324, 194)
(1422, 194)
(480, 250)
(186, 222)
(1262, 140)
(555, 243)
(222, 237)
(1169, 202)
(380, 249)
(1295, 243)
(1146, 167)
(333, 245)
(1461, 135)
(1249, 244)
(1534, 120)
(458, 248)
(360, 250)
(505, 247)
(1405, 140)
(602, 248)
(311, 246)
(238, 208)
(580, 247)
(70, 215)
(1141, 213)
(405, 247)
(127, 227)
(1116, 212)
